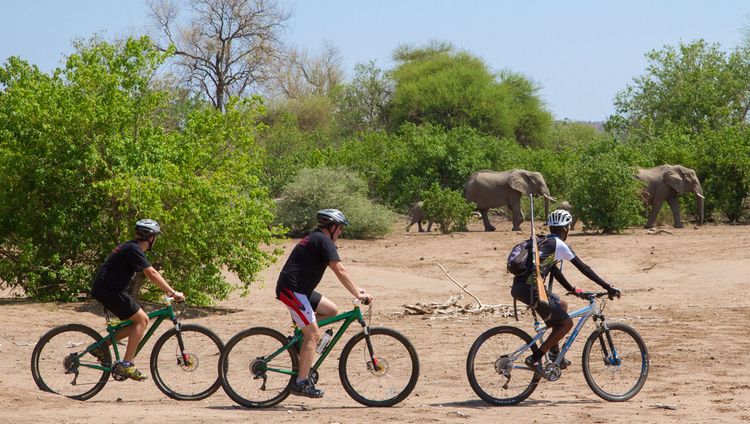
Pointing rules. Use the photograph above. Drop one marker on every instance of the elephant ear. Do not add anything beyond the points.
(674, 180)
(518, 182)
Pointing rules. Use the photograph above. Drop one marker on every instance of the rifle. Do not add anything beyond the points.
(540, 289)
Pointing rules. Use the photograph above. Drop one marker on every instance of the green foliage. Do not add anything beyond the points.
(83, 156)
(324, 187)
(695, 86)
(604, 193)
(447, 208)
(362, 103)
(724, 171)
(453, 89)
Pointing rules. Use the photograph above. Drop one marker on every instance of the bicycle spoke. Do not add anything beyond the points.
(189, 374)
(619, 375)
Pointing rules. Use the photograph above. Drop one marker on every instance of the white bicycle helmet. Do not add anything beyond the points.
(559, 218)
(145, 228)
(328, 217)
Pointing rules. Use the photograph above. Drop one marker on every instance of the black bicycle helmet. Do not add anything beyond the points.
(328, 217)
(146, 228)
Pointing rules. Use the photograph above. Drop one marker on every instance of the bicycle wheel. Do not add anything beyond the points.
(387, 382)
(191, 374)
(57, 369)
(493, 376)
(620, 376)
(250, 380)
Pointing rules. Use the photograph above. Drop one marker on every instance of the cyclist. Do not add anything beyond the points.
(296, 285)
(553, 250)
(110, 288)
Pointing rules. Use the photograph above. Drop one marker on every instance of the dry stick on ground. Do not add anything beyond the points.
(462, 288)
(451, 307)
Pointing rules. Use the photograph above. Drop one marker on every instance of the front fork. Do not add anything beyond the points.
(609, 352)
(183, 359)
(370, 350)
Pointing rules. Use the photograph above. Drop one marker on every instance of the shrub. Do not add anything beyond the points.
(448, 208)
(324, 187)
(604, 193)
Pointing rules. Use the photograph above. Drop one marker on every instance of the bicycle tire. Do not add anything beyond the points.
(48, 362)
(494, 357)
(195, 377)
(626, 354)
(396, 392)
(240, 357)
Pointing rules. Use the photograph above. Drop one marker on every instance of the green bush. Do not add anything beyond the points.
(447, 208)
(84, 153)
(604, 193)
(324, 187)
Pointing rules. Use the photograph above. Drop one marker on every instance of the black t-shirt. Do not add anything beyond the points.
(120, 267)
(306, 264)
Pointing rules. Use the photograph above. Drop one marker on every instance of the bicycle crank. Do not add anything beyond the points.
(552, 371)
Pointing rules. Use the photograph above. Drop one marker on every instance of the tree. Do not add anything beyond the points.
(435, 84)
(298, 74)
(84, 154)
(224, 46)
(362, 103)
(694, 86)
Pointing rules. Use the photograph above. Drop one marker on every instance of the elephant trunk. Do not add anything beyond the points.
(699, 203)
(546, 207)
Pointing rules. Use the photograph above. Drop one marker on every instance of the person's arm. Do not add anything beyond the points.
(152, 274)
(589, 273)
(346, 280)
(557, 273)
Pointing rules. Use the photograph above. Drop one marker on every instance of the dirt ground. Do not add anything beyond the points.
(685, 292)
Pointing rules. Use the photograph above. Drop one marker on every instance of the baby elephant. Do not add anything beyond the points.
(417, 215)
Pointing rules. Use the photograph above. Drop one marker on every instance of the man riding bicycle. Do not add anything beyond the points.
(110, 289)
(553, 250)
(296, 285)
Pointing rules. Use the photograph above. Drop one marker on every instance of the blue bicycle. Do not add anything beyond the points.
(615, 360)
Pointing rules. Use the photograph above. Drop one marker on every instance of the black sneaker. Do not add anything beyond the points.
(565, 363)
(306, 388)
(535, 366)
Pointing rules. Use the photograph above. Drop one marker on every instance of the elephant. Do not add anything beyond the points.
(565, 205)
(417, 215)
(492, 189)
(666, 182)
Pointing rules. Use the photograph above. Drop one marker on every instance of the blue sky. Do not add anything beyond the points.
(581, 53)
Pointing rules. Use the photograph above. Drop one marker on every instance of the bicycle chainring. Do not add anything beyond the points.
(552, 371)
(503, 366)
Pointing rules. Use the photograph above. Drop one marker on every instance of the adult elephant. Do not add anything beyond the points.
(491, 189)
(666, 182)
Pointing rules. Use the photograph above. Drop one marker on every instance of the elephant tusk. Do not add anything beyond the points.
(700, 195)
(552, 199)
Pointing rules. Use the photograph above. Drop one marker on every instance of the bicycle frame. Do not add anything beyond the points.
(112, 329)
(348, 318)
(592, 310)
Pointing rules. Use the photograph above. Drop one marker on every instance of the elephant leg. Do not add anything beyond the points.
(674, 204)
(518, 217)
(408, 227)
(487, 225)
(655, 208)
(429, 226)
(419, 225)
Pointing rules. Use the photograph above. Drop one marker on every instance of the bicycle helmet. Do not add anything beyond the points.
(559, 218)
(145, 228)
(328, 217)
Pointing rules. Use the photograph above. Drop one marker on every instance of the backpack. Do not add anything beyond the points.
(519, 258)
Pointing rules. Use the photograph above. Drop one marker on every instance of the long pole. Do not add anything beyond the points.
(540, 289)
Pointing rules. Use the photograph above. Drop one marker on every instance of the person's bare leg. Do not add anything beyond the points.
(326, 309)
(558, 332)
(311, 337)
(137, 330)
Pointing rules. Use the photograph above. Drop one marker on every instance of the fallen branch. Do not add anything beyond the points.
(460, 286)
(451, 308)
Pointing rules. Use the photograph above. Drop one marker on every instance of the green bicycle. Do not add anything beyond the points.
(183, 360)
(377, 367)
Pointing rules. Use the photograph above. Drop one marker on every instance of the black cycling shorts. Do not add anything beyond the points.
(119, 303)
(552, 314)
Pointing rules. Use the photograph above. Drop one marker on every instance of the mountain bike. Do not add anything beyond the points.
(377, 367)
(615, 361)
(183, 360)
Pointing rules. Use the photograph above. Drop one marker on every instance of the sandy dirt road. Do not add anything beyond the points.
(685, 292)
